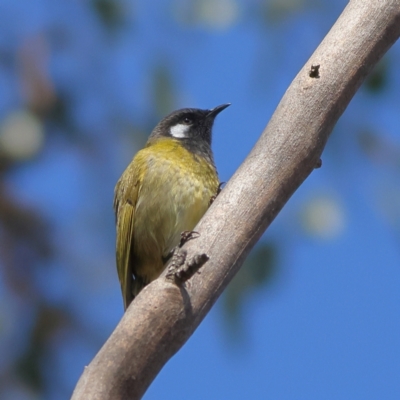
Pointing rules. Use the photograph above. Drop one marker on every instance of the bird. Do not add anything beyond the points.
(164, 191)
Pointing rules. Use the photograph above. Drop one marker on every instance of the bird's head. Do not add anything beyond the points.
(189, 125)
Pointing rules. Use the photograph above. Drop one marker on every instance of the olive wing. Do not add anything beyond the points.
(125, 199)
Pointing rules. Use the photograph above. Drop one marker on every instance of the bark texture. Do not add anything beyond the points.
(164, 315)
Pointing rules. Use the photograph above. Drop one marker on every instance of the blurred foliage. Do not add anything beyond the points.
(274, 11)
(257, 271)
(25, 246)
(379, 148)
(49, 321)
(378, 78)
(25, 237)
(213, 14)
(111, 12)
(163, 90)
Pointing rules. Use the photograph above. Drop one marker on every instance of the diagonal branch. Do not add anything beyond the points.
(164, 315)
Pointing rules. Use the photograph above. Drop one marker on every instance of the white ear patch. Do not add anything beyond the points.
(179, 131)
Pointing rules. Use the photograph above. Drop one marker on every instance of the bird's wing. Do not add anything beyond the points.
(125, 198)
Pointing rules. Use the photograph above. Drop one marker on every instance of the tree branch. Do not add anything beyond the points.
(164, 315)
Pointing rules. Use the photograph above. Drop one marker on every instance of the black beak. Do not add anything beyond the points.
(216, 110)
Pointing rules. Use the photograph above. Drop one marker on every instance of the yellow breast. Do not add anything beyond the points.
(175, 192)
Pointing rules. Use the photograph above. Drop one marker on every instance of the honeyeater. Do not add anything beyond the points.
(164, 191)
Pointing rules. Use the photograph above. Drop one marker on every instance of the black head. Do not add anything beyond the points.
(189, 125)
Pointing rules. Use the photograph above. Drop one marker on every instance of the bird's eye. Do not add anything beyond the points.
(188, 120)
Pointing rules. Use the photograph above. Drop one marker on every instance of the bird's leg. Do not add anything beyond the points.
(185, 237)
(188, 235)
(213, 197)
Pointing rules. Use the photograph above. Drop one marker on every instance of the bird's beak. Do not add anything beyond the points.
(216, 110)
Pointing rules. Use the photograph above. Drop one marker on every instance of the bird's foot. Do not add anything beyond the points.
(188, 235)
(180, 270)
(216, 194)
(185, 237)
